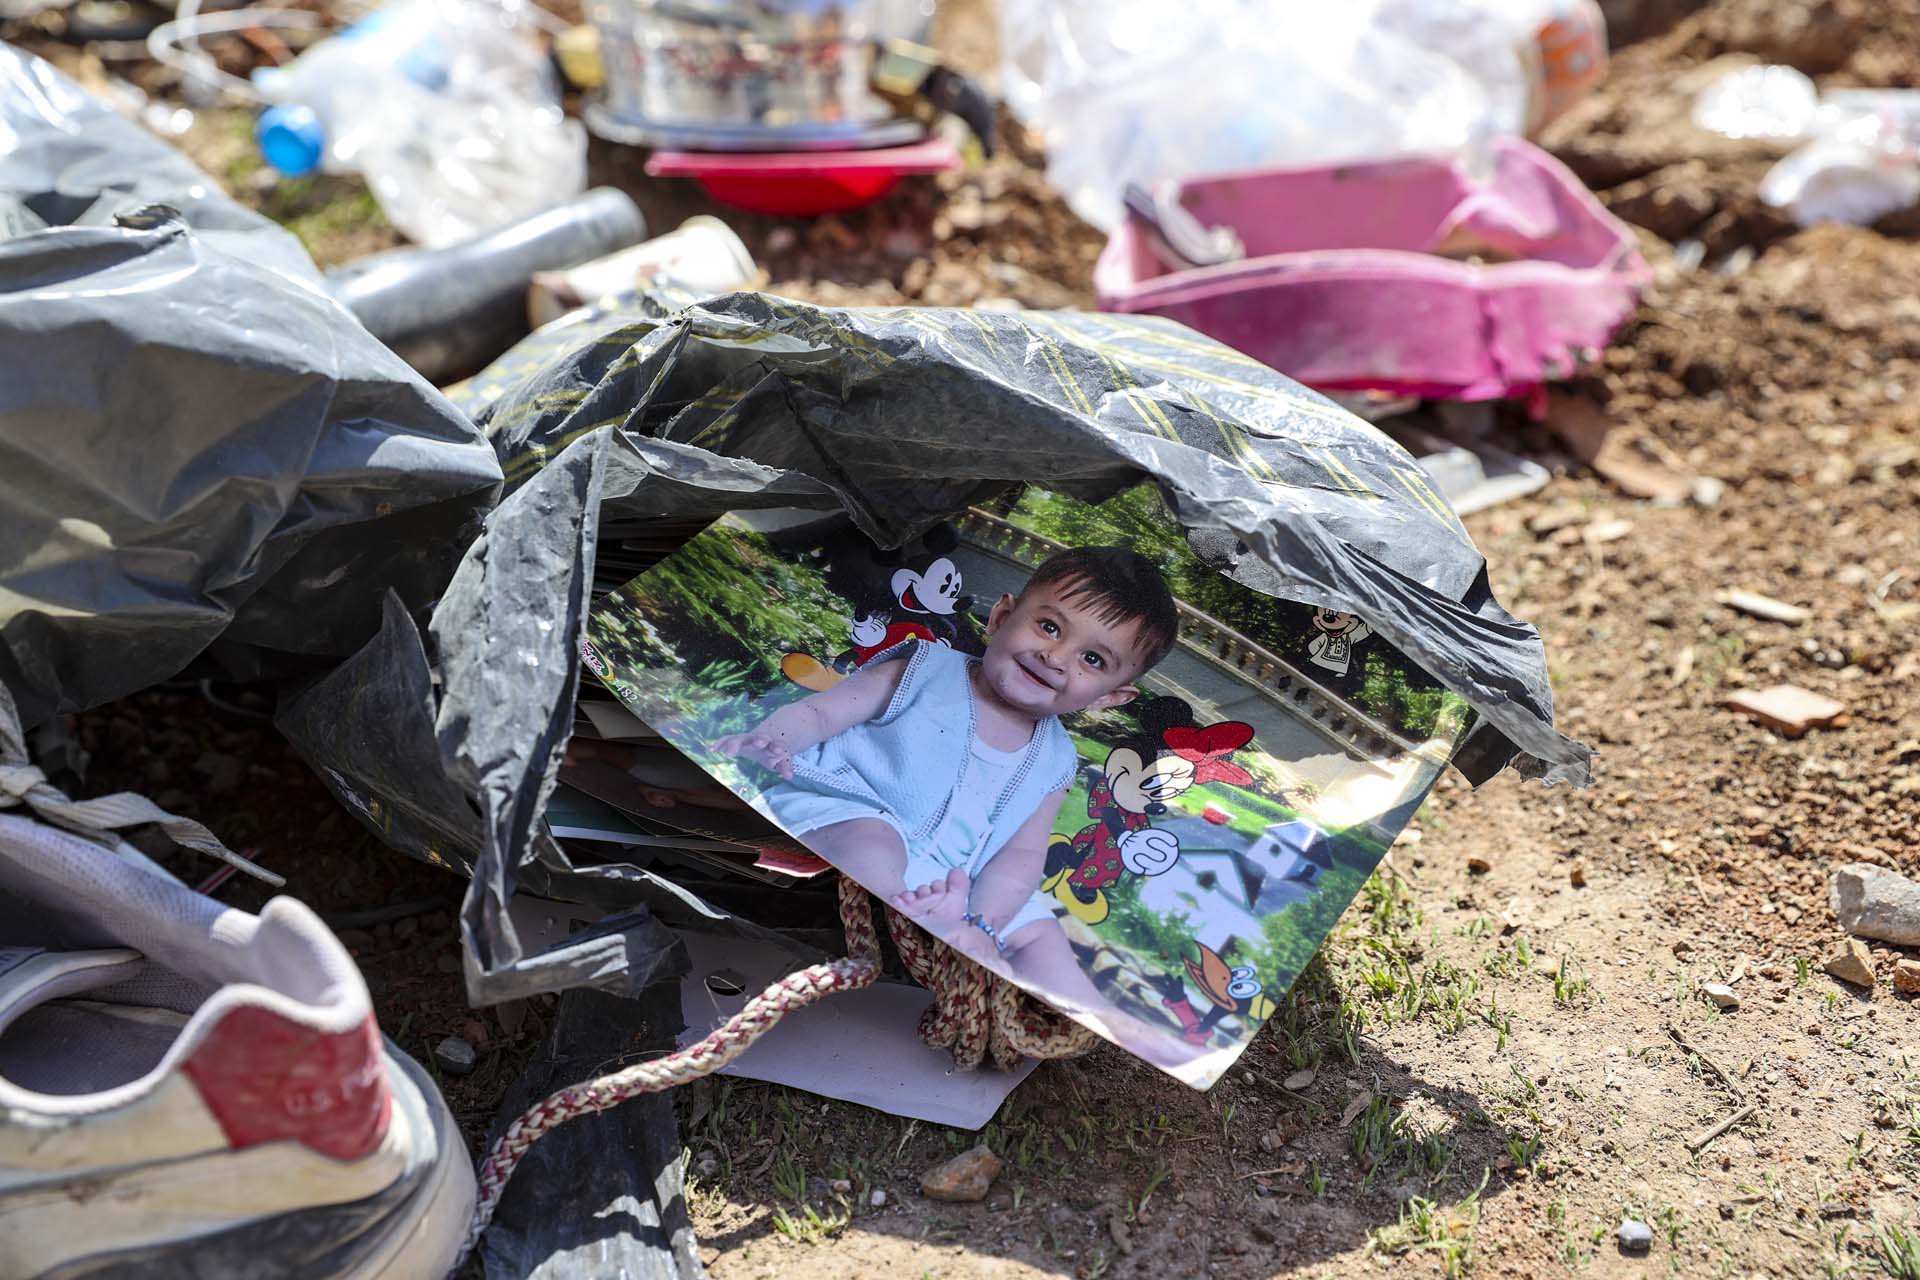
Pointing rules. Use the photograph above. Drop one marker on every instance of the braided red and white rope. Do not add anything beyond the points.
(973, 1011)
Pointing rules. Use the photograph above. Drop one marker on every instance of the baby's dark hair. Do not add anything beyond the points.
(1118, 586)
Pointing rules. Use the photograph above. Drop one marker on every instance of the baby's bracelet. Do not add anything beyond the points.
(979, 922)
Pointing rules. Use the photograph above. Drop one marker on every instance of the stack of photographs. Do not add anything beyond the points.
(1045, 731)
(626, 794)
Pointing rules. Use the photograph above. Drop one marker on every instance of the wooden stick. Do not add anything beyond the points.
(1738, 1093)
(1695, 1144)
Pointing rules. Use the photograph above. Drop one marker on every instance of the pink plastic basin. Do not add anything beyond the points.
(1357, 275)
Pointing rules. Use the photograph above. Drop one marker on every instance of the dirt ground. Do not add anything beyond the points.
(1505, 1061)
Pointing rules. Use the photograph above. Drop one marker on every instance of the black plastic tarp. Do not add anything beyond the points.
(199, 449)
(659, 411)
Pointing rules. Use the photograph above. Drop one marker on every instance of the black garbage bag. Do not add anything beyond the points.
(199, 450)
(663, 413)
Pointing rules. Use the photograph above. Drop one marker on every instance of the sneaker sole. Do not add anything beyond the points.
(412, 1230)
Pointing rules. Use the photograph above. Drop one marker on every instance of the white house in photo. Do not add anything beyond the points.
(1225, 892)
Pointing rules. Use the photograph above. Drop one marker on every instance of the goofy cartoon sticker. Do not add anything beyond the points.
(1169, 756)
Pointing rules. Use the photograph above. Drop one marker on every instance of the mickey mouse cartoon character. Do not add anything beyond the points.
(922, 599)
(1168, 757)
(1335, 634)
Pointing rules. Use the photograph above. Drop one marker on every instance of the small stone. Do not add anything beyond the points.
(965, 1179)
(405, 928)
(877, 1198)
(1554, 519)
(454, 1056)
(1755, 605)
(1721, 994)
(1479, 866)
(706, 1165)
(1708, 491)
(1298, 1080)
(1906, 977)
(1577, 876)
(1788, 709)
(448, 962)
(1852, 963)
(1635, 1236)
(1606, 531)
(1873, 902)
(840, 1186)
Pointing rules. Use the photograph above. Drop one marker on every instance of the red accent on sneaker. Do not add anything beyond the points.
(266, 1078)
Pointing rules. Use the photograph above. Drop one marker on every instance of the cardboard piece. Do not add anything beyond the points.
(858, 1046)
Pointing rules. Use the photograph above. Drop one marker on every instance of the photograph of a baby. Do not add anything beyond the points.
(935, 777)
(1051, 736)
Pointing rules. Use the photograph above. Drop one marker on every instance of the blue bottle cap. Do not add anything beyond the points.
(291, 138)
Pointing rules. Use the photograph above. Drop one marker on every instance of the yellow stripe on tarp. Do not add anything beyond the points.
(1330, 414)
(986, 334)
(1343, 475)
(1054, 351)
(1199, 346)
(537, 456)
(1423, 493)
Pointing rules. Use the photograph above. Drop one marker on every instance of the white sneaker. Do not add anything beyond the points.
(187, 1090)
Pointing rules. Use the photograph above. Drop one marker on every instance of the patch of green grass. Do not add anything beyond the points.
(1572, 1250)
(1568, 988)
(1897, 1252)
(809, 1226)
(1426, 1227)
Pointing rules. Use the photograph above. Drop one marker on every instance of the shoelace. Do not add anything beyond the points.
(974, 1012)
(24, 786)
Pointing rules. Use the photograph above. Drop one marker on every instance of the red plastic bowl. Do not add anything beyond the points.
(802, 184)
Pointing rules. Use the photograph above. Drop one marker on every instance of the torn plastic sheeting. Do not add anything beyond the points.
(368, 728)
(903, 418)
(604, 1194)
(197, 448)
(907, 416)
(462, 783)
(70, 159)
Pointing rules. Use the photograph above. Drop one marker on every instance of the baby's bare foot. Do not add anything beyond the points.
(939, 903)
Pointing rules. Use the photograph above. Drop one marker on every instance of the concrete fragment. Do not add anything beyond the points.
(454, 1056)
(964, 1179)
(1788, 709)
(1906, 977)
(1874, 902)
(1851, 963)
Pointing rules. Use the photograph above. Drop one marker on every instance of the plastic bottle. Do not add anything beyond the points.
(447, 107)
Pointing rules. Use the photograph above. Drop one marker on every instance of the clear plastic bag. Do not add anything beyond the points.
(1861, 160)
(1143, 92)
(448, 108)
